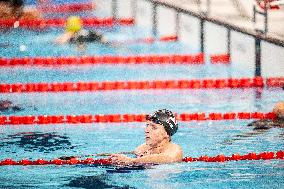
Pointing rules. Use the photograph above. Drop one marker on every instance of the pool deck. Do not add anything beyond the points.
(238, 13)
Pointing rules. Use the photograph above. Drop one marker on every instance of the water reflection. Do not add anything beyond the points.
(96, 181)
(37, 141)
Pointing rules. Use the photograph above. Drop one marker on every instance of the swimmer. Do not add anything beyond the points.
(158, 147)
(6, 105)
(15, 9)
(74, 33)
(278, 110)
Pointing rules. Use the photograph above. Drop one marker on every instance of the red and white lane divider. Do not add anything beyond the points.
(135, 59)
(220, 59)
(90, 161)
(275, 82)
(66, 8)
(148, 40)
(270, 4)
(60, 22)
(119, 118)
(141, 85)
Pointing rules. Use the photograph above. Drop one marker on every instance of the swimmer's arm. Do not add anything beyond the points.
(140, 149)
(64, 38)
(171, 156)
(113, 44)
(158, 158)
(104, 41)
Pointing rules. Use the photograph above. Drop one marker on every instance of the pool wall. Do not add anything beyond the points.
(260, 54)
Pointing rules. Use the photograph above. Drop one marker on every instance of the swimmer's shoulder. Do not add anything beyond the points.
(175, 151)
(175, 147)
(266, 124)
(280, 122)
(262, 122)
(140, 148)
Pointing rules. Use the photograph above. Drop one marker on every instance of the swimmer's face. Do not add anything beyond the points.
(279, 109)
(155, 133)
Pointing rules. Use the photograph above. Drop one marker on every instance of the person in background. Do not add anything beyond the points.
(6, 105)
(261, 126)
(15, 9)
(158, 147)
(278, 110)
(74, 33)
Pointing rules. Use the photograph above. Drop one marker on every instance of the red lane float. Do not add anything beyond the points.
(275, 82)
(269, 4)
(72, 161)
(60, 22)
(125, 21)
(219, 158)
(134, 85)
(116, 118)
(238, 157)
(169, 38)
(67, 8)
(220, 59)
(137, 59)
(148, 40)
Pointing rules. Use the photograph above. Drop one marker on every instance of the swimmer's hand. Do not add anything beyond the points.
(64, 38)
(120, 159)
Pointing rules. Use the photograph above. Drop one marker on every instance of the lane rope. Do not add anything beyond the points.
(220, 59)
(119, 118)
(232, 83)
(134, 59)
(67, 8)
(148, 40)
(60, 22)
(90, 161)
(198, 58)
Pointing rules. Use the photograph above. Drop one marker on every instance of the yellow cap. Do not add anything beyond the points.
(73, 24)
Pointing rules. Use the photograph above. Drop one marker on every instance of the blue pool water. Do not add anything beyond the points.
(41, 43)
(196, 138)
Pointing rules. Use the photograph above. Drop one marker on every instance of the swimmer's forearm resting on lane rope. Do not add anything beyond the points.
(91, 155)
(152, 158)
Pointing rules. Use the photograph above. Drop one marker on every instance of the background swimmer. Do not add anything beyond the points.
(6, 105)
(261, 126)
(74, 33)
(278, 110)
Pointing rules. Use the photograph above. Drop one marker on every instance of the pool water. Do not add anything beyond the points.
(196, 137)
(144, 101)
(41, 43)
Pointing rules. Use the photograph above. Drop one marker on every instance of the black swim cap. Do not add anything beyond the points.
(166, 118)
